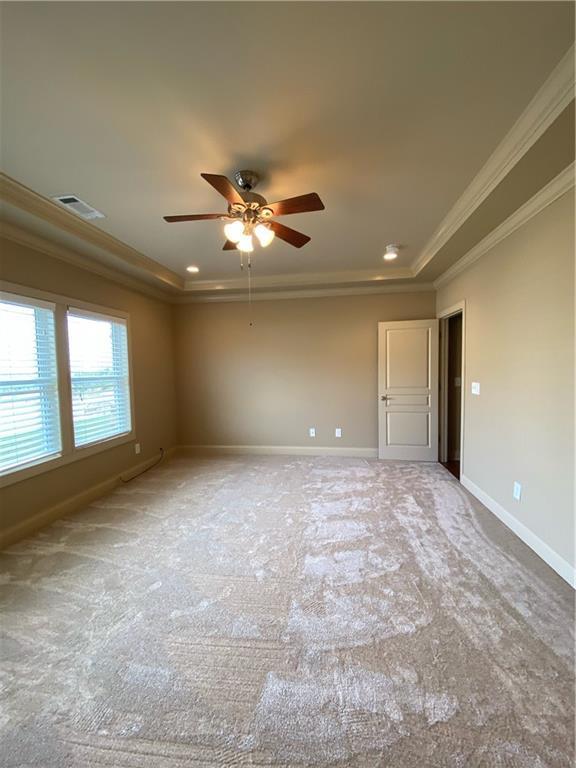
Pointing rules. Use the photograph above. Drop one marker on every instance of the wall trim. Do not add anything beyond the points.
(543, 550)
(341, 278)
(548, 103)
(43, 518)
(15, 193)
(304, 293)
(23, 237)
(543, 198)
(380, 284)
(41, 244)
(278, 450)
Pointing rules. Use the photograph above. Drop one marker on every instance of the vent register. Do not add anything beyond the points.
(78, 206)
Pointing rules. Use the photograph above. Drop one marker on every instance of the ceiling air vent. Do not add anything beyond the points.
(78, 206)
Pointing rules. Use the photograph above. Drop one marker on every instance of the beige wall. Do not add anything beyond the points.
(520, 347)
(153, 374)
(303, 363)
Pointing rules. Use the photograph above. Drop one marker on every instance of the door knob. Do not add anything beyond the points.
(383, 397)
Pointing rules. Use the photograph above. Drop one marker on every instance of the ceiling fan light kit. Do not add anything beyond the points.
(249, 214)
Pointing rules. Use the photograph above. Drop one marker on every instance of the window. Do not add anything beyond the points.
(65, 389)
(29, 401)
(98, 349)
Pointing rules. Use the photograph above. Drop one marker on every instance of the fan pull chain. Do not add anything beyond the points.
(250, 290)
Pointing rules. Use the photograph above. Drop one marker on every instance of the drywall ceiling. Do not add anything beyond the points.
(387, 110)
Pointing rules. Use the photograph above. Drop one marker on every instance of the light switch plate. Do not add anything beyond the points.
(136, 447)
(475, 387)
(517, 491)
(312, 432)
(338, 432)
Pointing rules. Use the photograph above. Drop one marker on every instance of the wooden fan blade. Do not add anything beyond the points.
(297, 239)
(224, 186)
(194, 217)
(301, 204)
(229, 246)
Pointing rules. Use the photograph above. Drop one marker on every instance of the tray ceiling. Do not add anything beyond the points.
(387, 110)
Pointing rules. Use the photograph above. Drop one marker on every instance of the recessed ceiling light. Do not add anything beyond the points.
(192, 268)
(391, 253)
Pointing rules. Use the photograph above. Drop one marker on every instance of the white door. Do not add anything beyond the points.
(408, 390)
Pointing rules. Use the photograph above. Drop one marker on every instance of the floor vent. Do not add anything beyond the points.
(78, 206)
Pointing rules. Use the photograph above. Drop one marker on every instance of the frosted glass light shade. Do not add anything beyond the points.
(245, 244)
(234, 230)
(264, 234)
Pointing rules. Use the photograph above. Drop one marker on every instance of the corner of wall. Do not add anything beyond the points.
(543, 550)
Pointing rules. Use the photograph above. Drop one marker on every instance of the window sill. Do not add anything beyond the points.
(47, 465)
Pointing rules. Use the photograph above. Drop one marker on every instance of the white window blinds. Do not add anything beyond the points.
(29, 407)
(99, 370)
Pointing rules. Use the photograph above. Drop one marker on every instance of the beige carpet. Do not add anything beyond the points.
(280, 611)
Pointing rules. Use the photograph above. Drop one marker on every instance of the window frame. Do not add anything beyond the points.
(81, 312)
(69, 452)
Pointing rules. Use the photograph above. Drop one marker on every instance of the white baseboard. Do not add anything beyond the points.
(72, 504)
(543, 550)
(280, 450)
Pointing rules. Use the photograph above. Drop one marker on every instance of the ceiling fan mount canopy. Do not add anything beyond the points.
(246, 180)
(254, 212)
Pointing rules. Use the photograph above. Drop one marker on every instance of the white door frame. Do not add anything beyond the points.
(444, 315)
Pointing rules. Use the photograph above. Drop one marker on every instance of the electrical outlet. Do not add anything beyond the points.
(475, 387)
(338, 432)
(517, 491)
(312, 432)
(136, 447)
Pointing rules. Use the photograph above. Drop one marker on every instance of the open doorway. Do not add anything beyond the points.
(451, 391)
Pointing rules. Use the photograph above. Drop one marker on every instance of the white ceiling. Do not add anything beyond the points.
(387, 110)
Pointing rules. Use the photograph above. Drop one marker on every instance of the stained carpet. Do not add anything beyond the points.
(282, 611)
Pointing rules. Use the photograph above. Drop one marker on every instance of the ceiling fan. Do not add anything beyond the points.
(250, 214)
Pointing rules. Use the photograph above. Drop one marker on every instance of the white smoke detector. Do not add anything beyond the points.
(78, 206)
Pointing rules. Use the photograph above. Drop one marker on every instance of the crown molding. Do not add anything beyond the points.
(548, 103)
(14, 193)
(344, 279)
(15, 234)
(547, 195)
(303, 293)
(209, 292)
